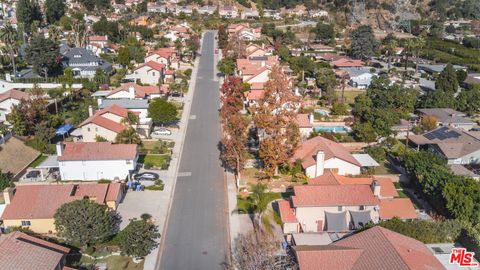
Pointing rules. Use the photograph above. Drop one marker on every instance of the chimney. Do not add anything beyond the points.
(59, 148)
(8, 195)
(90, 110)
(263, 63)
(376, 188)
(131, 92)
(319, 167)
(99, 102)
(311, 118)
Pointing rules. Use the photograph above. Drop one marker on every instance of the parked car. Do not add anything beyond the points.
(162, 131)
(146, 176)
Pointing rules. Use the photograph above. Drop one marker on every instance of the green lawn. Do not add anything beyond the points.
(385, 168)
(38, 161)
(349, 95)
(116, 262)
(156, 147)
(155, 161)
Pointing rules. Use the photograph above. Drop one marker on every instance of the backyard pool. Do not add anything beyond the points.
(334, 129)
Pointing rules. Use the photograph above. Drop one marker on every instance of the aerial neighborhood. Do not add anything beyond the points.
(239, 135)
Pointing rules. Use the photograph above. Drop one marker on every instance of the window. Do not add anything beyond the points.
(26, 223)
(340, 208)
(96, 129)
(128, 161)
(153, 73)
(362, 207)
(88, 129)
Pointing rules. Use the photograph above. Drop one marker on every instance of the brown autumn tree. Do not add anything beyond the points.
(234, 125)
(274, 116)
(428, 123)
(235, 48)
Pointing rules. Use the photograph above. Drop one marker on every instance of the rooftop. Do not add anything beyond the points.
(98, 151)
(333, 195)
(447, 116)
(14, 94)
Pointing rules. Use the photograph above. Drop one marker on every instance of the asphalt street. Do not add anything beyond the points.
(196, 235)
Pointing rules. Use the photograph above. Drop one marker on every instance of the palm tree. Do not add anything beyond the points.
(391, 46)
(409, 47)
(420, 43)
(9, 36)
(128, 135)
(258, 203)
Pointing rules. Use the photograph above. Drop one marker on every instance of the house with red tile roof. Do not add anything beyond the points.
(375, 248)
(304, 122)
(135, 91)
(254, 50)
(92, 161)
(8, 99)
(347, 63)
(150, 73)
(336, 203)
(19, 250)
(33, 205)
(319, 153)
(110, 121)
(163, 56)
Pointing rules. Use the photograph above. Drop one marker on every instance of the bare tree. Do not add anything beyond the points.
(258, 250)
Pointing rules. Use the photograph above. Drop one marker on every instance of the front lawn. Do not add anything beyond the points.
(152, 161)
(156, 147)
(115, 262)
(243, 203)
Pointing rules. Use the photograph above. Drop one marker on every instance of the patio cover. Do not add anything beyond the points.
(50, 162)
(360, 218)
(336, 222)
(64, 129)
(365, 160)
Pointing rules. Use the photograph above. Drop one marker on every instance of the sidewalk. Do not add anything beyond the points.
(151, 259)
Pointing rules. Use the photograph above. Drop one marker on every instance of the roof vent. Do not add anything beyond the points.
(74, 190)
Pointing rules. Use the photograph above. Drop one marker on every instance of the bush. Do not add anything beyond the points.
(155, 187)
(377, 152)
(104, 181)
(146, 216)
(148, 165)
(188, 73)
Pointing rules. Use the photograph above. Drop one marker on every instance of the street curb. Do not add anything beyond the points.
(186, 112)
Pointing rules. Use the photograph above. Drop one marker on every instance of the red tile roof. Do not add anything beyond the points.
(397, 207)
(346, 62)
(21, 251)
(380, 249)
(41, 201)
(308, 151)
(333, 195)
(98, 38)
(153, 65)
(14, 94)
(387, 188)
(164, 52)
(98, 151)
(255, 94)
(141, 91)
(286, 212)
(303, 121)
(100, 120)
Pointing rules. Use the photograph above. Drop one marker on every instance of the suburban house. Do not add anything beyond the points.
(149, 73)
(228, 11)
(33, 206)
(97, 44)
(244, 31)
(108, 122)
(135, 105)
(339, 198)
(454, 145)
(164, 56)
(318, 154)
(21, 251)
(448, 117)
(135, 91)
(84, 63)
(346, 63)
(305, 124)
(249, 13)
(256, 69)
(359, 77)
(254, 50)
(437, 68)
(374, 248)
(8, 100)
(92, 161)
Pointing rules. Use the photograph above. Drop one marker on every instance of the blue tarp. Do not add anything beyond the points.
(64, 129)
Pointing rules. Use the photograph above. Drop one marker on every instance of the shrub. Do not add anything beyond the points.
(148, 165)
(146, 216)
(188, 73)
(377, 152)
(104, 181)
(155, 187)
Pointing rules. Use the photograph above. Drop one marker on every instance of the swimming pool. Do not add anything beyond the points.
(334, 129)
(321, 111)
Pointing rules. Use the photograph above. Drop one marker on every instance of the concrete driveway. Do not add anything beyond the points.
(173, 137)
(137, 203)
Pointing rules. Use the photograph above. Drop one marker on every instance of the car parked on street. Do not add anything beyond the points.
(146, 176)
(162, 132)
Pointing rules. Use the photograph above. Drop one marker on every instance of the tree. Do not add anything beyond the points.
(9, 36)
(124, 56)
(129, 136)
(260, 250)
(363, 42)
(54, 10)
(447, 80)
(428, 122)
(91, 5)
(43, 54)
(391, 47)
(138, 239)
(79, 30)
(364, 132)
(84, 222)
(27, 114)
(99, 138)
(327, 82)
(28, 11)
(469, 100)
(258, 203)
(222, 36)
(68, 77)
(273, 118)
(162, 111)
(227, 66)
(324, 32)
(5, 180)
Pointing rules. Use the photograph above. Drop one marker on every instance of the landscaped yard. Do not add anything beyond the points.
(116, 262)
(156, 147)
(349, 95)
(38, 161)
(153, 161)
(385, 168)
(243, 203)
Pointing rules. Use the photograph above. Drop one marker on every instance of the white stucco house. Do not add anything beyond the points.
(92, 161)
(149, 73)
(8, 99)
(318, 154)
(360, 77)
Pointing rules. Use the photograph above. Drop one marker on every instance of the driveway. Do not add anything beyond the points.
(137, 203)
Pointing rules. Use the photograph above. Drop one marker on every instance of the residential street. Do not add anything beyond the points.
(196, 233)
